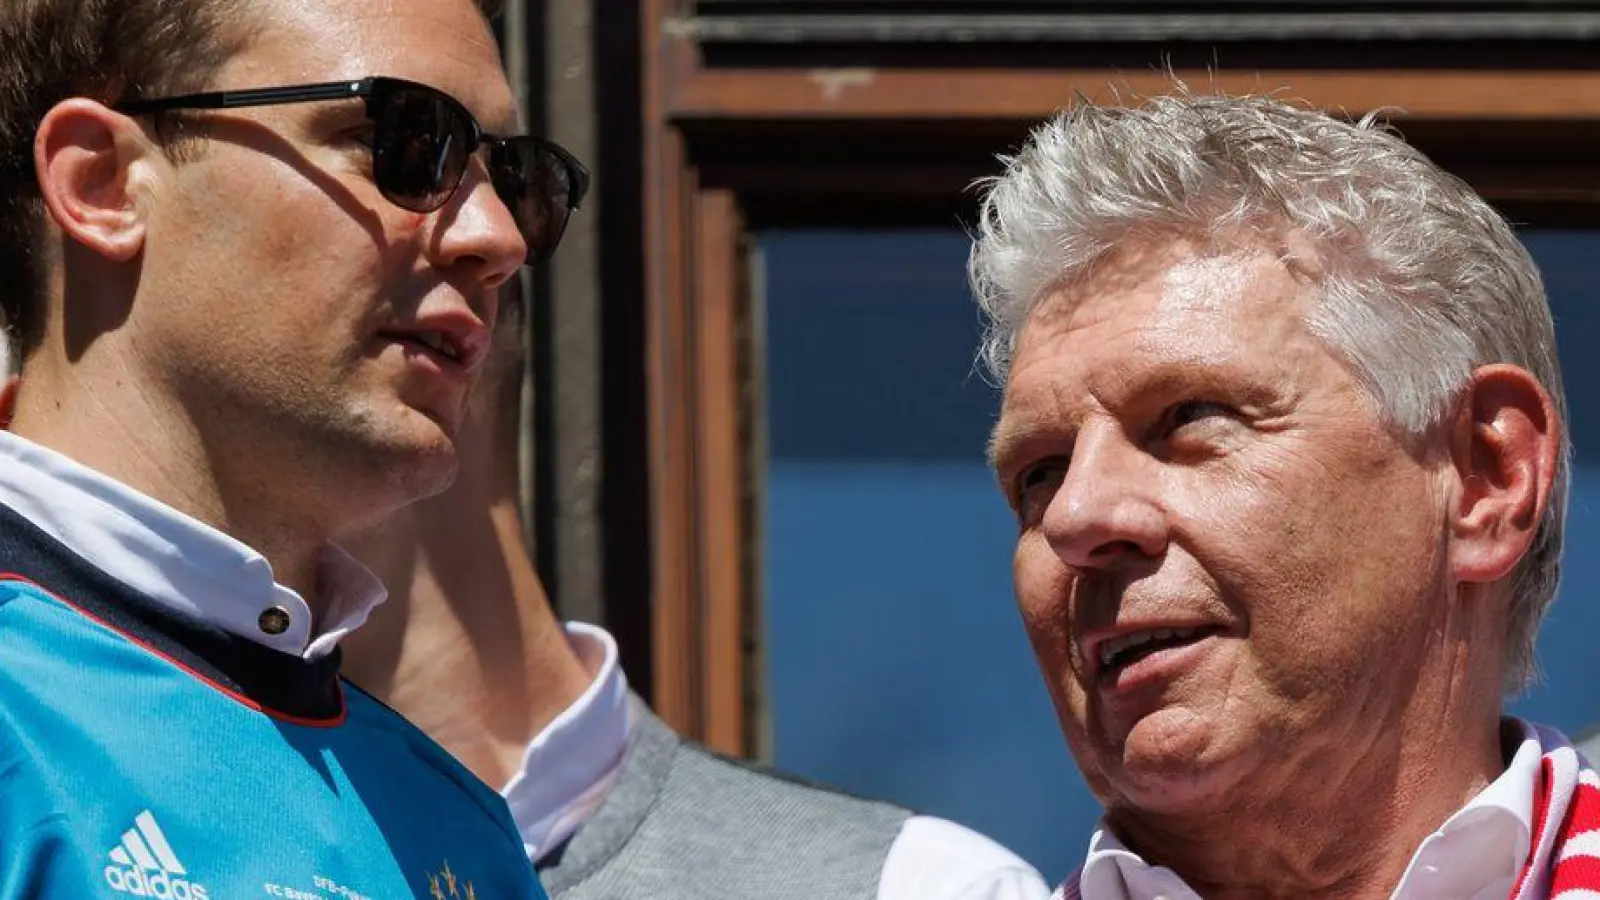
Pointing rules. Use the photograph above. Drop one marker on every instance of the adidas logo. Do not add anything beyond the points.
(143, 865)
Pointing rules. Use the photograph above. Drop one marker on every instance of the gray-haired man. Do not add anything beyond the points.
(1283, 431)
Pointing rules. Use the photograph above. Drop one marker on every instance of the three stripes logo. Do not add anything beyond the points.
(143, 865)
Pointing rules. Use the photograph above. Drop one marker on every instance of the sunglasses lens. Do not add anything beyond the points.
(535, 183)
(421, 143)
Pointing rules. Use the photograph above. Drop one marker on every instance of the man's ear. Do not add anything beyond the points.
(1505, 444)
(88, 159)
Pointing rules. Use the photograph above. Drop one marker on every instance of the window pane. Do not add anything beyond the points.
(1570, 262)
(896, 661)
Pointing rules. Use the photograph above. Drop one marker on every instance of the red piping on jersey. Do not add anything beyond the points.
(198, 676)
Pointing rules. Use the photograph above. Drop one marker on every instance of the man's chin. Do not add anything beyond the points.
(434, 474)
(1174, 761)
(430, 463)
(417, 462)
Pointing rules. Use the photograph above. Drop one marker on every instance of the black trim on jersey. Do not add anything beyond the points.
(279, 682)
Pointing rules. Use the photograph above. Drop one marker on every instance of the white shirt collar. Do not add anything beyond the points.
(176, 560)
(1113, 872)
(569, 766)
(1476, 853)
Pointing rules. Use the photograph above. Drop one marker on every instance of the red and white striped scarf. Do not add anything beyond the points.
(1564, 856)
(1564, 859)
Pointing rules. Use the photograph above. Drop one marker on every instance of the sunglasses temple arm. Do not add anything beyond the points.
(311, 93)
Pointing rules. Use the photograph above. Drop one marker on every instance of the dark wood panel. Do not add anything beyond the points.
(1019, 21)
(916, 173)
(986, 7)
(625, 506)
(872, 93)
(1184, 52)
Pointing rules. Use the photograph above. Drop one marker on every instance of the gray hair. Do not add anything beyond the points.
(1421, 281)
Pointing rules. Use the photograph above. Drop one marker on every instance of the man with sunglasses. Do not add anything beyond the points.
(250, 252)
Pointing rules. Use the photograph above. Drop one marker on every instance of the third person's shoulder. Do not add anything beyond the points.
(936, 859)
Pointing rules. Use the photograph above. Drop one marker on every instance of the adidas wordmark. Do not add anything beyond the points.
(143, 865)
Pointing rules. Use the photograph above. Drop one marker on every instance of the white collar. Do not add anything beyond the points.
(1477, 852)
(176, 560)
(1486, 842)
(569, 766)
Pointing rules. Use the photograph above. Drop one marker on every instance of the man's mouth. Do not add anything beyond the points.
(445, 348)
(1117, 653)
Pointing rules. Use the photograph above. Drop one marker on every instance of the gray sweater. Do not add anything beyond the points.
(682, 823)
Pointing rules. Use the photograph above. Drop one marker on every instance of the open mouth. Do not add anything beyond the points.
(436, 343)
(1118, 653)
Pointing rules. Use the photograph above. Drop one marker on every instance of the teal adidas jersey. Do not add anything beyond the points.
(146, 756)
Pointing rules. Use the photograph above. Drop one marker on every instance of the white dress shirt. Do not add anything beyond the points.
(579, 756)
(177, 560)
(1475, 855)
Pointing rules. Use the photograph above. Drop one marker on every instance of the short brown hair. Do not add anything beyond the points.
(107, 50)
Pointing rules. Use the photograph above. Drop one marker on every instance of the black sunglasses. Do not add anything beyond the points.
(422, 141)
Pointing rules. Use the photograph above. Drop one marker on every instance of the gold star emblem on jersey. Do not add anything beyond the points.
(447, 885)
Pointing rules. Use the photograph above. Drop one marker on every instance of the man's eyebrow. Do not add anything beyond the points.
(1003, 439)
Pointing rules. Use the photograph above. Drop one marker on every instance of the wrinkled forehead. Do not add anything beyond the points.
(1155, 321)
(1180, 279)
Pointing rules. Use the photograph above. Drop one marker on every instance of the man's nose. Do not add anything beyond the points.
(477, 233)
(1107, 510)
